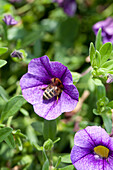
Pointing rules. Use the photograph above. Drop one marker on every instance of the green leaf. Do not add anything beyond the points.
(105, 52)
(108, 65)
(10, 141)
(109, 71)
(91, 52)
(100, 91)
(38, 126)
(98, 42)
(97, 58)
(49, 130)
(70, 167)
(58, 162)
(2, 63)
(97, 81)
(32, 37)
(12, 106)
(107, 122)
(46, 165)
(4, 132)
(76, 76)
(67, 31)
(110, 104)
(100, 88)
(31, 135)
(66, 159)
(3, 50)
(3, 94)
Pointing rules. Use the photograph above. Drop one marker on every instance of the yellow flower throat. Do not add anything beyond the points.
(102, 151)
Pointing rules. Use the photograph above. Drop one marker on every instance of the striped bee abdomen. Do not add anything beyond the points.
(53, 89)
(50, 92)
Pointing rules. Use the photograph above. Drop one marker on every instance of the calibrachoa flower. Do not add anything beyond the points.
(107, 29)
(93, 149)
(69, 6)
(9, 20)
(42, 74)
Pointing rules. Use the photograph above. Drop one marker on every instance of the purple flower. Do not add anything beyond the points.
(9, 20)
(110, 78)
(69, 6)
(107, 29)
(41, 73)
(93, 149)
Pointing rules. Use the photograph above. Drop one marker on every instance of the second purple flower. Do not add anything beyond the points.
(107, 29)
(93, 149)
(48, 86)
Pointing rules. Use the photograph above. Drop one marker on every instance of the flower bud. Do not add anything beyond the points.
(48, 144)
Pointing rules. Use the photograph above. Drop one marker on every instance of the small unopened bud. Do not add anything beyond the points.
(9, 20)
(17, 54)
(48, 144)
(110, 78)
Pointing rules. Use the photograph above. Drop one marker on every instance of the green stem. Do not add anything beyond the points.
(50, 158)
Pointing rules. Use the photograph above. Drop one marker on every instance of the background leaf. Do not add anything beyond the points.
(4, 132)
(2, 63)
(46, 165)
(10, 141)
(98, 42)
(49, 130)
(92, 53)
(107, 123)
(105, 52)
(3, 50)
(12, 106)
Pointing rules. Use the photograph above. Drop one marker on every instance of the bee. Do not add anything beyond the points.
(53, 89)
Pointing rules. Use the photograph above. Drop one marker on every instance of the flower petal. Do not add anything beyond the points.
(41, 68)
(102, 24)
(13, 22)
(48, 109)
(110, 145)
(109, 28)
(72, 91)
(29, 81)
(70, 7)
(83, 139)
(89, 162)
(78, 153)
(67, 103)
(98, 135)
(91, 136)
(108, 164)
(51, 109)
(60, 71)
(34, 94)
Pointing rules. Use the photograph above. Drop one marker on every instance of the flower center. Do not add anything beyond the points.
(101, 151)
